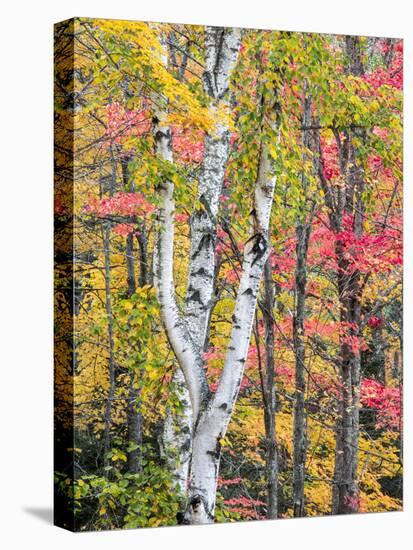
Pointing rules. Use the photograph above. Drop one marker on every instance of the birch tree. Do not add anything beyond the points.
(211, 413)
(221, 51)
(179, 144)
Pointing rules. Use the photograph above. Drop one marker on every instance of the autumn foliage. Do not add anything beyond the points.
(342, 180)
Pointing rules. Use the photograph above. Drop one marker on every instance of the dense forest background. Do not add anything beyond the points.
(315, 425)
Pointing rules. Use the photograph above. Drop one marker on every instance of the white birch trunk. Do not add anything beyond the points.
(176, 442)
(179, 337)
(210, 415)
(221, 50)
(190, 382)
(222, 46)
(213, 422)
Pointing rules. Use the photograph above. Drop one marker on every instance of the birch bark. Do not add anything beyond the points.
(210, 413)
(213, 422)
(222, 47)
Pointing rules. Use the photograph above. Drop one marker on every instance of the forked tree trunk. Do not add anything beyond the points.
(221, 52)
(213, 420)
(211, 413)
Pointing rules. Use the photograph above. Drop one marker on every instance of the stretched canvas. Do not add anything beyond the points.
(228, 274)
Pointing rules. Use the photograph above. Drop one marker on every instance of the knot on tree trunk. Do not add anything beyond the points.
(197, 511)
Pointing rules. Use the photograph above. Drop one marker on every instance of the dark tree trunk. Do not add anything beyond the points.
(135, 426)
(106, 230)
(111, 359)
(145, 273)
(303, 230)
(133, 413)
(346, 497)
(269, 395)
(388, 54)
(300, 428)
(348, 202)
(130, 265)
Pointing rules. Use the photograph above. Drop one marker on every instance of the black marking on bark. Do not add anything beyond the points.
(195, 501)
(259, 248)
(160, 187)
(163, 135)
(205, 203)
(223, 406)
(218, 58)
(206, 240)
(216, 453)
(195, 297)
(193, 505)
(201, 271)
(248, 292)
(208, 84)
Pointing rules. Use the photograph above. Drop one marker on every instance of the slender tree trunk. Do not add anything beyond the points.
(130, 265)
(105, 233)
(347, 486)
(180, 338)
(300, 421)
(400, 379)
(145, 273)
(269, 395)
(303, 230)
(135, 427)
(396, 365)
(134, 414)
(346, 492)
(134, 417)
(348, 201)
(388, 54)
(111, 359)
